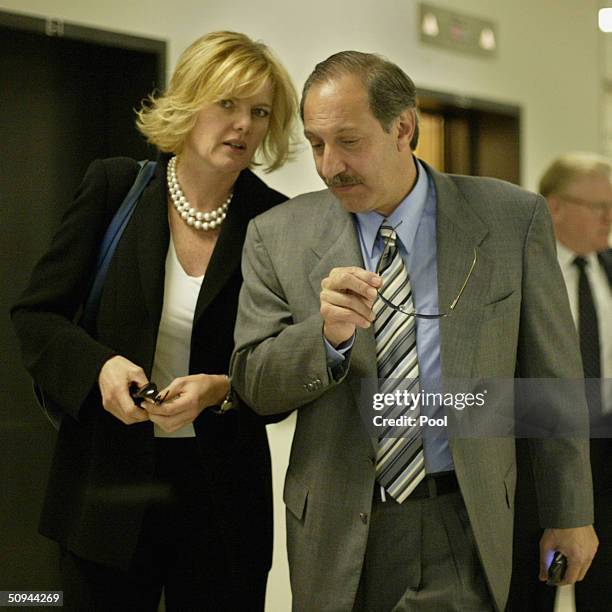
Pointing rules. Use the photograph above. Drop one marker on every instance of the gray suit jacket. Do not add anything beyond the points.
(504, 324)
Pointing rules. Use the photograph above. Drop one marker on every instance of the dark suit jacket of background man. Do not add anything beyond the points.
(527, 593)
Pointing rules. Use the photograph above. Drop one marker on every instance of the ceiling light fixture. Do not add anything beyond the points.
(605, 19)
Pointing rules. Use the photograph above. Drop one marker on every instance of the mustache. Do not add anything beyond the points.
(342, 180)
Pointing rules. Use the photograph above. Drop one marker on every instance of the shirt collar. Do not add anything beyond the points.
(566, 257)
(409, 211)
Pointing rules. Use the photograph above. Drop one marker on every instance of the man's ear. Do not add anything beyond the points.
(405, 126)
(555, 206)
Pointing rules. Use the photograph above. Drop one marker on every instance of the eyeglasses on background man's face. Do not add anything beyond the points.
(603, 209)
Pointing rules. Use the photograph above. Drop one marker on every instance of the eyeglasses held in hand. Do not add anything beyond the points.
(404, 308)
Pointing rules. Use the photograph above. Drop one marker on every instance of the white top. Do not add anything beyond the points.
(174, 337)
(602, 298)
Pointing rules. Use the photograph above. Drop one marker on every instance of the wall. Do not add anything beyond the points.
(548, 61)
(548, 64)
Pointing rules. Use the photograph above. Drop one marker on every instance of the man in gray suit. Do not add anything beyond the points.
(403, 275)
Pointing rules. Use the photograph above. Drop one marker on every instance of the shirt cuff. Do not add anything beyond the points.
(336, 355)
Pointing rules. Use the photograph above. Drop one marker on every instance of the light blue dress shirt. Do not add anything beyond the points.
(417, 245)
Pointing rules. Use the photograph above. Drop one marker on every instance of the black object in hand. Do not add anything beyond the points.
(149, 391)
(556, 570)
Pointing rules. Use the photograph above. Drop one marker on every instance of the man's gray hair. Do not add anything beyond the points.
(390, 90)
(570, 167)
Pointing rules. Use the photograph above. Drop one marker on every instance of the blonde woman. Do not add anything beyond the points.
(173, 495)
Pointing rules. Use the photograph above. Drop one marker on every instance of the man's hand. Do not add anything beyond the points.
(185, 398)
(347, 297)
(114, 380)
(578, 544)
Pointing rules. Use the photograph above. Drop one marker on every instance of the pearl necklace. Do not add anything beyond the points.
(194, 218)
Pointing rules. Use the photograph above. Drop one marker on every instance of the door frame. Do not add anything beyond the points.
(54, 27)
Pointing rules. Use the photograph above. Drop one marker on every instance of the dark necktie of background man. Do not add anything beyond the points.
(588, 330)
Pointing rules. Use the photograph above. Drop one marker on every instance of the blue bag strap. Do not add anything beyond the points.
(111, 240)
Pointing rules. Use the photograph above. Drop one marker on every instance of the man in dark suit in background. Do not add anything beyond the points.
(578, 189)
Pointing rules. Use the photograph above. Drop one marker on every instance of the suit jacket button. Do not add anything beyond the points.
(364, 517)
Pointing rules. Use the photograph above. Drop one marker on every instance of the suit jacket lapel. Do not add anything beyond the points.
(153, 236)
(251, 197)
(459, 231)
(338, 246)
(605, 259)
(227, 254)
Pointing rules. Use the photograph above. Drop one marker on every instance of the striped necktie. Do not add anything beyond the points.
(400, 464)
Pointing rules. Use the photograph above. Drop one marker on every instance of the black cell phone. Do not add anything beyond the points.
(139, 394)
(556, 570)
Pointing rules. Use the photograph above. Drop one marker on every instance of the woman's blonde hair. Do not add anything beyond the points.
(217, 66)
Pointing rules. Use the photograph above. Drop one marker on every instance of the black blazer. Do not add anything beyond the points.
(601, 448)
(100, 478)
(605, 259)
